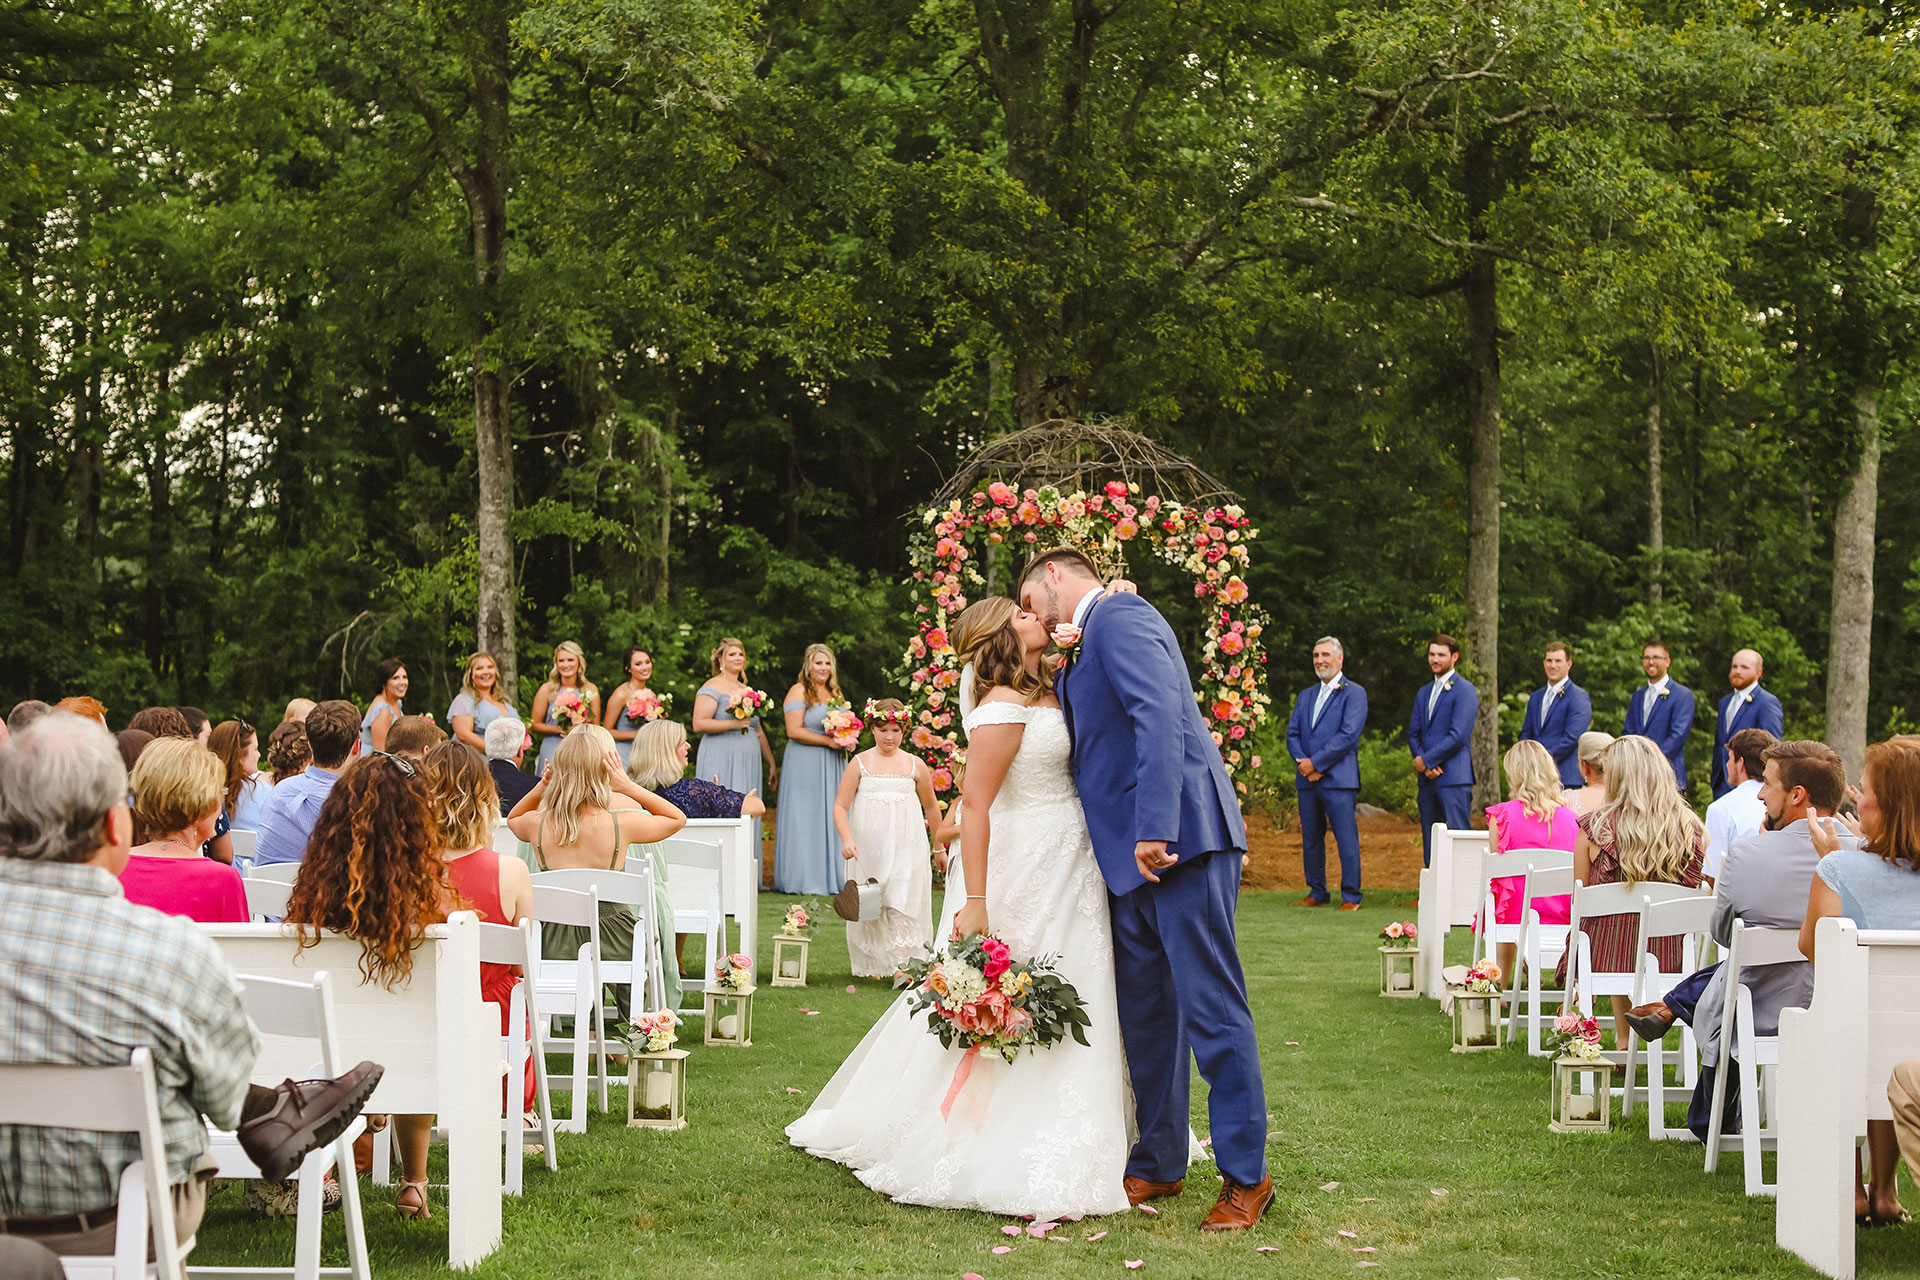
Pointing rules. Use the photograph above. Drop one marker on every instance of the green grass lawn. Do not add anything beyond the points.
(1443, 1162)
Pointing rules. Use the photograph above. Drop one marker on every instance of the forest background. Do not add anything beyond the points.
(335, 329)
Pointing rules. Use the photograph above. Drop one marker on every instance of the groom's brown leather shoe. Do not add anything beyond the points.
(1239, 1207)
(1139, 1190)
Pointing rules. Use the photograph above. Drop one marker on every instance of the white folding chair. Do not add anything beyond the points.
(279, 872)
(520, 1043)
(266, 899)
(694, 868)
(1758, 1056)
(1540, 949)
(243, 844)
(570, 986)
(1687, 917)
(1584, 981)
(632, 888)
(300, 1010)
(1489, 933)
(108, 1100)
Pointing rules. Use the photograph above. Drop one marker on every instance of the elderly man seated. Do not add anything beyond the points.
(86, 976)
(507, 741)
(1764, 881)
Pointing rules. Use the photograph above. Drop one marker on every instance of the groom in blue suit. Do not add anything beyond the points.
(1168, 836)
(1663, 711)
(1558, 713)
(1440, 737)
(1747, 707)
(1323, 737)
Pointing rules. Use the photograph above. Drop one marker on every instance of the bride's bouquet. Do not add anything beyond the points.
(978, 997)
(842, 727)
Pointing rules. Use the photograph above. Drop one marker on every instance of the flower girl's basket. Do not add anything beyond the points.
(858, 901)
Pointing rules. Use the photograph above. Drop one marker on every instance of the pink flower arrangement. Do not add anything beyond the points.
(1483, 977)
(1401, 933)
(646, 706)
(747, 704)
(795, 921)
(571, 708)
(1575, 1036)
(651, 1032)
(733, 974)
(842, 727)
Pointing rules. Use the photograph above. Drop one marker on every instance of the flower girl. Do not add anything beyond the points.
(883, 837)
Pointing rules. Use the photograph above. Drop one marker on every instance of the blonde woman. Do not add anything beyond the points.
(1533, 816)
(550, 723)
(177, 785)
(806, 844)
(1644, 833)
(574, 817)
(733, 750)
(1592, 755)
(479, 703)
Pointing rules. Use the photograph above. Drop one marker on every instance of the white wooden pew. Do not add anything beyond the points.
(1835, 1059)
(1450, 892)
(439, 1043)
(740, 883)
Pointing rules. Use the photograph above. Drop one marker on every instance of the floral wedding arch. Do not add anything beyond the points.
(1041, 488)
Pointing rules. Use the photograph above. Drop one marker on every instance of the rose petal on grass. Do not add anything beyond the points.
(1098, 1235)
(1010, 1230)
(1329, 1186)
(1134, 1264)
(791, 1089)
(851, 988)
(812, 1013)
(1268, 1248)
(1039, 1229)
(1149, 1209)
(1365, 1248)
(1003, 1248)
(1366, 1264)
(1348, 1235)
(971, 1275)
(1439, 1191)
(1368, 1200)
(1295, 1043)
(1206, 1142)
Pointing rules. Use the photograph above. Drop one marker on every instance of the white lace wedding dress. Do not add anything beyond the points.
(1047, 1134)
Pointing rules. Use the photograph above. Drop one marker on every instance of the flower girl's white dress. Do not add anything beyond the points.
(1047, 1134)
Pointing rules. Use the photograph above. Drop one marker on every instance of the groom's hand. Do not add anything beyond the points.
(1151, 857)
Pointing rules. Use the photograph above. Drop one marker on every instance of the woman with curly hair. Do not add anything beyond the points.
(373, 872)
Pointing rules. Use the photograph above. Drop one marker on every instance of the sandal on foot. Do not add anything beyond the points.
(414, 1209)
(1874, 1220)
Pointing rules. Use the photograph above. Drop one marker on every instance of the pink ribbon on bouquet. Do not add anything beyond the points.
(961, 1074)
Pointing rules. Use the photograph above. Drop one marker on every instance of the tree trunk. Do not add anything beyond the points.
(1850, 642)
(485, 187)
(1656, 514)
(1483, 480)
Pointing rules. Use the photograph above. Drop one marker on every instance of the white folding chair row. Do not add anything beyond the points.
(1689, 918)
(266, 899)
(570, 987)
(1488, 932)
(119, 1099)
(694, 872)
(632, 888)
(243, 846)
(521, 1043)
(281, 872)
(1758, 1056)
(1584, 981)
(300, 1011)
(1540, 949)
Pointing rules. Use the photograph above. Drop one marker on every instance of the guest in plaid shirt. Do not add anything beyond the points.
(86, 977)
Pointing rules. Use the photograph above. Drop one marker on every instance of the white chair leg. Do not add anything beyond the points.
(306, 1225)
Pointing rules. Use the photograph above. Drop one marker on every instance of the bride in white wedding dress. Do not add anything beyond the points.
(1047, 1134)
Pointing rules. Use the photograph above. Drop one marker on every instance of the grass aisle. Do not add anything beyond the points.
(1368, 1097)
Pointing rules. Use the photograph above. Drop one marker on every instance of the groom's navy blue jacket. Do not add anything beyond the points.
(1140, 744)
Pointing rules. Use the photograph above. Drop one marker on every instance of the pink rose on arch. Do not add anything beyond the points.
(1237, 732)
(1116, 488)
(1125, 529)
(942, 780)
(1002, 496)
(1232, 642)
(998, 958)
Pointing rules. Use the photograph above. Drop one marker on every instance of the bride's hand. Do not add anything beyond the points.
(970, 919)
(1120, 586)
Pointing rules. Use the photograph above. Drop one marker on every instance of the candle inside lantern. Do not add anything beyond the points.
(659, 1092)
(1583, 1106)
(1401, 979)
(789, 968)
(1474, 1018)
(728, 1028)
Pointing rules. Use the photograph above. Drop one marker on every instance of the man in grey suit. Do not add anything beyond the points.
(1763, 882)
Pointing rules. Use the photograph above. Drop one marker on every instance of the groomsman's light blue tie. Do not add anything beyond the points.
(1320, 700)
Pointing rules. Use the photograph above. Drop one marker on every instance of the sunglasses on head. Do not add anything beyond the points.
(406, 765)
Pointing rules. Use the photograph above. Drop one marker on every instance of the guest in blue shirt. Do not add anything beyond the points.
(333, 732)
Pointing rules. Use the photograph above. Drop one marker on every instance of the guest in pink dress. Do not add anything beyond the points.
(1534, 818)
(177, 787)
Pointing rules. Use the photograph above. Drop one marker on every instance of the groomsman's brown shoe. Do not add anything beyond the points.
(1139, 1190)
(1240, 1207)
(1309, 901)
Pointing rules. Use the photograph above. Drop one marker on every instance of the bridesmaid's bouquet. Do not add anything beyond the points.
(571, 708)
(747, 704)
(646, 706)
(842, 727)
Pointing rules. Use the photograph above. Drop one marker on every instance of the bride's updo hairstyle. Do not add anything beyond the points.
(983, 634)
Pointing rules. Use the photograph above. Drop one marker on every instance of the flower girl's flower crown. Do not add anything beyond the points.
(876, 716)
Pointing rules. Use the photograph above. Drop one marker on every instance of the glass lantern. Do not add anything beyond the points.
(1476, 1020)
(1396, 971)
(790, 959)
(657, 1090)
(729, 1018)
(1582, 1095)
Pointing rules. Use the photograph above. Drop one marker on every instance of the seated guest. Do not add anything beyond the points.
(91, 708)
(198, 722)
(297, 709)
(414, 736)
(507, 742)
(288, 753)
(1739, 812)
(571, 820)
(1644, 833)
(465, 808)
(86, 977)
(1533, 817)
(373, 872)
(1592, 793)
(131, 743)
(176, 800)
(1764, 881)
(333, 732)
(658, 761)
(1877, 886)
(162, 722)
(24, 713)
(244, 793)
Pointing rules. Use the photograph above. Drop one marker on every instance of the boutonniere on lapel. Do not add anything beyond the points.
(1448, 686)
(1066, 637)
(1663, 694)
(1339, 683)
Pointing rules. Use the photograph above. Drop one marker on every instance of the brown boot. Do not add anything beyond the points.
(1239, 1207)
(1139, 1190)
(1650, 1021)
(279, 1126)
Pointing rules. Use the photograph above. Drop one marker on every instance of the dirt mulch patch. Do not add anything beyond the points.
(1389, 856)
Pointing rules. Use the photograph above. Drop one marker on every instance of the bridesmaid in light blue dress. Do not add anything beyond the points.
(732, 751)
(569, 671)
(621, 725)
(806, 845)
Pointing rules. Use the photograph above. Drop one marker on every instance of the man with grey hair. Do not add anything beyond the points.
(507, 741)
(86, 976)
(1323, 737)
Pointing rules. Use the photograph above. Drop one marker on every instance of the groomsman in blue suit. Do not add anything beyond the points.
(1323, 737)
(1663, 711)
(1558, 713)
(1439, 736)
(1747, 707)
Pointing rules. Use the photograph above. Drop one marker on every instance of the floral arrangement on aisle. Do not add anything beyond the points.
(733, 974)
(842, 727)
(571, 708)
(1210, 543)
(978, 997)
(646, 706)
(1575, 1036)
(1483, 978)
(651, 1032)
(747, 704)
(797, 919)
(1401, 933)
